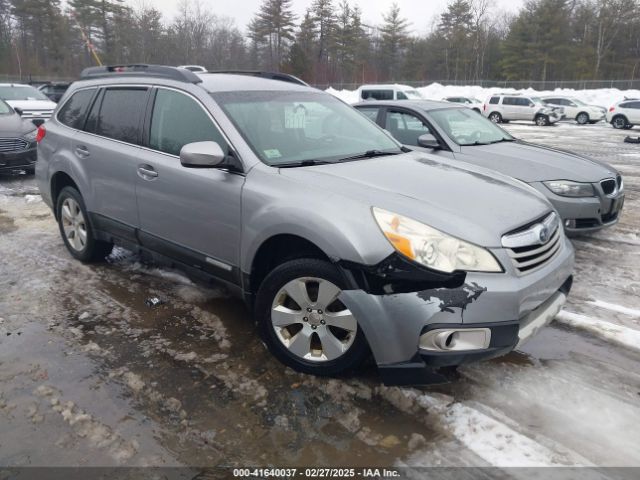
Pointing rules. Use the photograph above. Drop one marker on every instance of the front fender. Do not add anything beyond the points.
(342, 228)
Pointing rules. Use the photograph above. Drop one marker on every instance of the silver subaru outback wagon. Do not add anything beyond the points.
(343, 243)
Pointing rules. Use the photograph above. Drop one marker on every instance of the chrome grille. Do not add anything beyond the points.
(534, 247)
(609, 186)
(13, 144)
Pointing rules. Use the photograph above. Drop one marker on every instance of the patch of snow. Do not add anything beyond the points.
(497, 443)
(618, 334)
(632, 312)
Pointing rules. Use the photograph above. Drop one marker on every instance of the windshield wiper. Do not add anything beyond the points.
(504, 140)
(368, 154)
(302, 163)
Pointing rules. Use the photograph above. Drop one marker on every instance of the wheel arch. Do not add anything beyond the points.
(60, 180)
(276, 250)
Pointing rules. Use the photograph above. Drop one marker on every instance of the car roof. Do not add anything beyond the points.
(387, 85)
(424, 105)
(14, 85)
(211, 82)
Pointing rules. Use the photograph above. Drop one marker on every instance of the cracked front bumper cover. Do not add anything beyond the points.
(394, 322)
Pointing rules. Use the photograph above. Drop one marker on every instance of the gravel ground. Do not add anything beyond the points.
(91, 376)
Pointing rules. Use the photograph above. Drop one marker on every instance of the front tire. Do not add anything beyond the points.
(304, 324)
(542, 120)
(582, 118)
(495, 117)
(76, 230)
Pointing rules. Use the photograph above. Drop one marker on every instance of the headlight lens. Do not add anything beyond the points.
(31, 136)
(433, 248)
(565, 188)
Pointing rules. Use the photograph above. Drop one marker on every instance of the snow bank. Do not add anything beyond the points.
(623, 336)
(604, 97)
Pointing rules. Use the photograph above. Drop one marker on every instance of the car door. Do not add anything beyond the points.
(509, 108)
(633, 112)
(107, 150)
(189, 214)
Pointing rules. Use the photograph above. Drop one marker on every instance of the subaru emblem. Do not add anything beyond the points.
(544, 235)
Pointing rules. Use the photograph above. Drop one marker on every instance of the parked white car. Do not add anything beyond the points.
(28, 101)
(625, 114)
(504, 107)
(472, 103)
(388, 92)
(581, 112)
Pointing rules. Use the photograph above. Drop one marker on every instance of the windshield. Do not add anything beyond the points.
(4, 108)
(413, 94)
(294, 127)
(21, 92)
(466, 127)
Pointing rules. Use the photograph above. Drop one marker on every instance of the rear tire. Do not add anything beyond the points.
(542, 120)
(312, 333)
(76, 230)
(495, 117)
(582, 118)
(619, 122)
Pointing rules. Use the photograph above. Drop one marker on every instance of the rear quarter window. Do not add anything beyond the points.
(377, 94)
(74, 111)
(494, 100)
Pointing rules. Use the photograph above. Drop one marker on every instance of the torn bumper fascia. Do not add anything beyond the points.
(393, 323)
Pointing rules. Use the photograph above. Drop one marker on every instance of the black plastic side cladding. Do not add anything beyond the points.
(396, 274)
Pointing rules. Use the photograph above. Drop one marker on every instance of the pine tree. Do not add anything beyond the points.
(394, 39)
(276, 23)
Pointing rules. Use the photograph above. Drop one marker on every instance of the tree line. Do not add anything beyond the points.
(331, 43)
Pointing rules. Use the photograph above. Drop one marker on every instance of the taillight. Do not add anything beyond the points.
(484, 107)
(41, 133)
(611, 109)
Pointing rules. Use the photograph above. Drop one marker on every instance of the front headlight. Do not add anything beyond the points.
(566, 188)
(31, 136)
(433, 248)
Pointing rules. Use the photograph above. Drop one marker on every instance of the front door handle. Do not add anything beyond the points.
(82, 151)
(147, 172)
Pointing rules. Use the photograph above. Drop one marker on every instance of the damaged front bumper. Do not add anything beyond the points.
(484, 316)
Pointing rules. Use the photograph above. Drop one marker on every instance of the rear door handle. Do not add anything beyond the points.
(147, 172)
(82, 151)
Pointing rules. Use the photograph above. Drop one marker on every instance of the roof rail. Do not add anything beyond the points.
(283, 77)
(140, 69)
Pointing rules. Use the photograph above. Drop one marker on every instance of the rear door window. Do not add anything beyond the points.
(405, 127)
(509, 101)
(74, 111)
(179, 119)
(120, 113)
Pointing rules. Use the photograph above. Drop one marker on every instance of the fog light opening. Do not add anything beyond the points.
(449, 340)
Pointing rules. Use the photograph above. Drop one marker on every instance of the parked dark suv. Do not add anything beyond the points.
(341, 241)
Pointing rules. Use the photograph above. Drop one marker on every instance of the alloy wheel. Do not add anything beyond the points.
(311, 322)
(74, 224)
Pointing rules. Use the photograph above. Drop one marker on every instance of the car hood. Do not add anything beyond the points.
(32, 104)
(469, 203)
(12, 125)
(535, 163)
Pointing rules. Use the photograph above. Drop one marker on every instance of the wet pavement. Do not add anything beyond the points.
(92, 376)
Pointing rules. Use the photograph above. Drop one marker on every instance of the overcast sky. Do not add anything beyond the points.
(419, 12)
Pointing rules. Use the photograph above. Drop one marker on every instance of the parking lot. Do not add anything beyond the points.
(92, 375)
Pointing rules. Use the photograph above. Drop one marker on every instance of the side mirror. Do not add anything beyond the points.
(18, 110)
(201, 155)
(428, 141)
